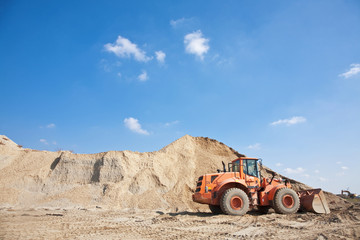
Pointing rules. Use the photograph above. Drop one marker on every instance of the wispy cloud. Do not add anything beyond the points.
(143, 76)
(298, 170)
(168, 124)
(160, 56)
(177, 22)
(322, 179)
(196, 44)
(255, 146)
(289, 121)
(134, 125)
(51, 125)
(342, 172)
(123, 47)
(221, 60)
(46, 142)
(278, 164)
(105, 65)
(354, 70)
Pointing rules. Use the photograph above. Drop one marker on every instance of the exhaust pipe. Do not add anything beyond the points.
(313, 200)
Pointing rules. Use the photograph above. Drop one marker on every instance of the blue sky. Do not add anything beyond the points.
(278, 80)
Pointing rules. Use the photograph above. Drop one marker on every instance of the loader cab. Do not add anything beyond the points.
(249, 166)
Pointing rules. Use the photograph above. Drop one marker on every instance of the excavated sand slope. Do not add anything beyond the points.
(163, 179)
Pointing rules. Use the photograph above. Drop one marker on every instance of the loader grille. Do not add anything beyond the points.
(199, 183)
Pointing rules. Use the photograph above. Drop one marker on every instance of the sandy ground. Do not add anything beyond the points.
(145, 224)
(53, 195)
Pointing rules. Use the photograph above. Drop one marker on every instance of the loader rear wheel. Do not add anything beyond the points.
(215, 209)
(234, 201)
(286, 201)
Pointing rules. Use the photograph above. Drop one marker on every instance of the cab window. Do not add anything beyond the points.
(250, 167)
(235, 167)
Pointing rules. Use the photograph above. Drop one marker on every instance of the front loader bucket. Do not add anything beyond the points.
(313, 200)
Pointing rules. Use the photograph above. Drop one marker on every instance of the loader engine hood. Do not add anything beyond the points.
(204, 187)
(206, 183)
(205, 180)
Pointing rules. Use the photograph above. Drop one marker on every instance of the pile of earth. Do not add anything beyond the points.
(163, 179)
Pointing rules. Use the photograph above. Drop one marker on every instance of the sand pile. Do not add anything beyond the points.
(164, 179)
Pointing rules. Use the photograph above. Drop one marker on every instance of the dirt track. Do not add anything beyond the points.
(145, 224)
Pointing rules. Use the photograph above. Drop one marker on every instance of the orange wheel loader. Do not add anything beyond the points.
(240, 187)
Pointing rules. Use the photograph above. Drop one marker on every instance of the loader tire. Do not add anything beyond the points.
(215, 209)
(234, 201)
(286, 201)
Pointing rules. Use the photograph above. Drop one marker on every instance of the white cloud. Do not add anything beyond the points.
(175, 23)
(278, 164)
(44, 141)
(255, 146)
(316, 171)
(134, 125)
(343, 169)
(143, 76)
(294, 171)
(322, 179)
(105, 65)
(338, 162)
(289, 121)
(125, 48)
(196, 44)
(119, 75)
(168, 124)
(354, 70)
(51, 125)
(108, 67)
(160, 56)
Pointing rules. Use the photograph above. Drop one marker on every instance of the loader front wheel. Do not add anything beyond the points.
(234, 201)
(215, 209)
(286, 201)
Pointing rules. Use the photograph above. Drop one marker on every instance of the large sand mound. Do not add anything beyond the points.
(164, 179)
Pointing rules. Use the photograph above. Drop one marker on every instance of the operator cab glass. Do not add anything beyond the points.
(250, 167)
(235, 166)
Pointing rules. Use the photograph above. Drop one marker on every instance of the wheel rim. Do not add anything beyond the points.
(236, 203)
(288, 201)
